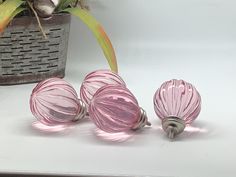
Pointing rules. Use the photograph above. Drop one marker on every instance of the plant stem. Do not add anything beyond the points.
(76, 3)
(38, 20)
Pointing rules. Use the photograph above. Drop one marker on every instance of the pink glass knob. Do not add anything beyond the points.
(115, 109)
(54, 101)
(96, 80)
(177, 103)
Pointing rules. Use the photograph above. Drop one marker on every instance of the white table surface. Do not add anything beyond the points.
(144, 65)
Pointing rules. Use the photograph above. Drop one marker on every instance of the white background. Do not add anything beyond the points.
(155, 40)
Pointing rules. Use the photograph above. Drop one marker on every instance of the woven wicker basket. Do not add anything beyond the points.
(26, 56)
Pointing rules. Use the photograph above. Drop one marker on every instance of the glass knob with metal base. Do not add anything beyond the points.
(177, 103)
(54, 102)
(114, 109)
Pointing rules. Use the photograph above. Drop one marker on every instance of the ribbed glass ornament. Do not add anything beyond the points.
(96, 80)
(115, 109)
(177, 103)
(54, 101)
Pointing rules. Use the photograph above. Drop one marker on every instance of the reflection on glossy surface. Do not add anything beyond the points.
(191, 132)
(196, 129)
(47, 128)
(113, 137)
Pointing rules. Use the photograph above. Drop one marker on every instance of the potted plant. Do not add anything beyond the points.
(34, 38)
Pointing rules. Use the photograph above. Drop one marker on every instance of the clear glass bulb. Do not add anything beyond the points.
(177, 103)
(54, 102)
(115, 109)
(96, 80)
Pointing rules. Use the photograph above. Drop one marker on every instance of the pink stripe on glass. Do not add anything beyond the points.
(115, 109)
(54, 101)
(96, 80)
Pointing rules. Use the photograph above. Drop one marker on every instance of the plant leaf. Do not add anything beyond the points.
(8, 9)
(99, 33)
(17, 11)
(64, 4)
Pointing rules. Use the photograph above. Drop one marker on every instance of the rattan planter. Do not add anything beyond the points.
(26, 57)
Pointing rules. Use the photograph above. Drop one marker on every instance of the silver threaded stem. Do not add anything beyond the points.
(143, 120)
(173, 126)
(83, 112)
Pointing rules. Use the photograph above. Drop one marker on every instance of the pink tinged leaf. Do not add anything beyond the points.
(8, 10)
(99, 33)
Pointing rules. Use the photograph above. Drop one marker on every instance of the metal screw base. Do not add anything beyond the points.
(83, 112)
(173, 126)
(143, 121)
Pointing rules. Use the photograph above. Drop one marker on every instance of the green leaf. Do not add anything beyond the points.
(64, 4)
(8, 10)
(99, 33)
(17, 11)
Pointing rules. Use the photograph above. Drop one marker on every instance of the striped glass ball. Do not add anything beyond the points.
(177, 103)
(54, 101)
(96, 80)
(115, 109)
